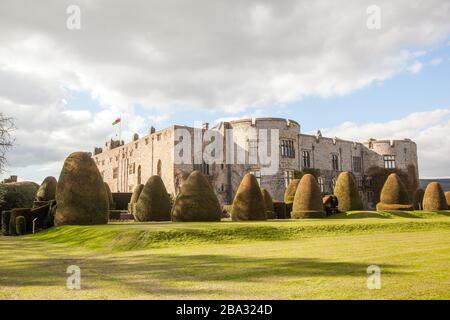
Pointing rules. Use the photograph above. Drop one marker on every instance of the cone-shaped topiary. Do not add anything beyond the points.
(308, 199)
(20, 225)
(110, 197)
(134, 198)
(196, 201)
(80, 194)
(347, 193)
(418, 199)
(248, 203)
(394, 195)
(154, 202)
(15, 213)
(447, 198)
(289, 194)
(47, 190)
(268, 204)
(6, 215)
(434, 198)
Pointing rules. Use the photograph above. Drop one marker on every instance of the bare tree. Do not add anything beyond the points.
(6, 139)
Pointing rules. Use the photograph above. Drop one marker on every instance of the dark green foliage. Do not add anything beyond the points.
(394, 195)
(347, 193)
(196, 201)
(248, 203)
(418, 199)
(447, 198)
(308, 199)
(81, 195)
(134, 198)
(41, 215)
(434, 198)
(18, 212)
(268, 204)
(20, 225)
(279, 207)
(6, 215)
(121, 200)
(17, 195)
(154, 202)
(312, 171)
(47, 190)
(289, 193)
(110, 197)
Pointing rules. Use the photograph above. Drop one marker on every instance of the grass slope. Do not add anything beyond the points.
(311, 259)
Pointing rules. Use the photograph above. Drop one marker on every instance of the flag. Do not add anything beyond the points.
(116, 121)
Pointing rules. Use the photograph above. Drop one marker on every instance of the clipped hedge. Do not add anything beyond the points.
(20, 226)
(196, 201)
(447, 198)
(289, 193)
(47, 190)
(347, 193)
(81, 194)
(6, 216)
(394, 195)
(308, 199)
(134, 198)
(110, 197)
(279, 207)
(268, 204)
(17, 212)
(434, 198)
(418, 199)
(248, 203)
(154, 202)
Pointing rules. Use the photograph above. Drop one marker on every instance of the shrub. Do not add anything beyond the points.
(110, 197)
(47, 190)
(154, 202)
(447, 198)
(17, 195)
(134, 198)
(20, 225)
(347, 193)
(268, 204)
(290, 191)
(418, 199)
(6, 215)
(394, 195)
(434, 198)
(81, 195)
(196, 201)
(308, 199)
(18, 212)
(279, 207)
(248, 203)
(330, 204)
(40, 214)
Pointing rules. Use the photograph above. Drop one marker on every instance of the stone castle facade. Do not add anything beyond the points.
(123, 166)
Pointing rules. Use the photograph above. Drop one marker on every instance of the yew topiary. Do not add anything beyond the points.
(308, 199)
(47, 190)
(347, 193)
(110, 197)
(394, 195)
(434, 198)
(80, 194)
(196, 201)
(154, 202)
(418, 199)
(289, 193)
(447, 198)
(248, 203)
(20, 225)
(6, 215)
(134, 198)
(268, 204)
(15, 213)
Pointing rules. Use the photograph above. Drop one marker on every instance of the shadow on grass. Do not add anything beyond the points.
(158, 274)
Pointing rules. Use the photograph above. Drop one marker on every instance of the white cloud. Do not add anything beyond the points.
(428, 129)
(168, 56)
(436, 61)
(415, 67)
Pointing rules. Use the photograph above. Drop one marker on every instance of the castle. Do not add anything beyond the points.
(123, 166)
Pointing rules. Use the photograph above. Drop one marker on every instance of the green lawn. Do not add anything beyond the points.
(282, 259)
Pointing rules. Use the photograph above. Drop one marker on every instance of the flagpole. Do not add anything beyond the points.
(120, 130)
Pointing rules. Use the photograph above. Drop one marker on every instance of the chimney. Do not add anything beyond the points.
(205, 126)
(135, 137)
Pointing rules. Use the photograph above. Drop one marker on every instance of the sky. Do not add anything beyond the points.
(66, 73)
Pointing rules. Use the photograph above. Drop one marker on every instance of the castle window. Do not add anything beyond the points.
(321, 183)
(253, 148)
(335, 162)
(306, 159)
(158, 168)
(287, 149)
(115, 173)
(257, 175)
(203, 168)
(130, 169)
(139, 175)
(333, 183)
(146, 141)
(389, 161)
(357, 166)
(288, 177)
(136, 145)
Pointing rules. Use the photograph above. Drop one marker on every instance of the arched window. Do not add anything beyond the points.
(320, 181)
(158, 168)
(139, 178)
